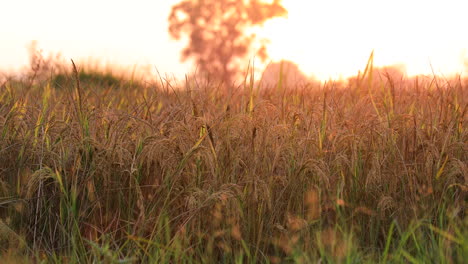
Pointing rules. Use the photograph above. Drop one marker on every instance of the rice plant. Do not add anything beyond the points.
(372, 170)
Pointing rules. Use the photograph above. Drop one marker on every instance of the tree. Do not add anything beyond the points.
(285, 71)
(218, 32)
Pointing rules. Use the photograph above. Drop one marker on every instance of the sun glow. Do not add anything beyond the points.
(333, 39)
(326, 39)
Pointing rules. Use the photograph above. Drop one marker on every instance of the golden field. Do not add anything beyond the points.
(97, 169)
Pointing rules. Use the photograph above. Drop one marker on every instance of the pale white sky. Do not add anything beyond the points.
(338, 35)
(326, 38)
(115, 31)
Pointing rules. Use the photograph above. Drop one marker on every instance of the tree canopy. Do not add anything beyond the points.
(217, 32)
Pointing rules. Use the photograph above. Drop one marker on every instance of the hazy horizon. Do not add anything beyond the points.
(335, 41)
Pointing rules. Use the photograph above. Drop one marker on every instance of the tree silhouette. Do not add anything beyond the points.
(218, 32)
(285, 71)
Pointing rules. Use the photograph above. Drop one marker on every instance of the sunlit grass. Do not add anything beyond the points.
(370, 171)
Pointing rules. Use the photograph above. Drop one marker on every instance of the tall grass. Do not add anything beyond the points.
(370, 171)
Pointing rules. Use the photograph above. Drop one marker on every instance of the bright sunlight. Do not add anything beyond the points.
(334, 38)
(325, 38)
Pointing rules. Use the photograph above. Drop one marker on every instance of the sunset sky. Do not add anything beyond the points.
(325, 38)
